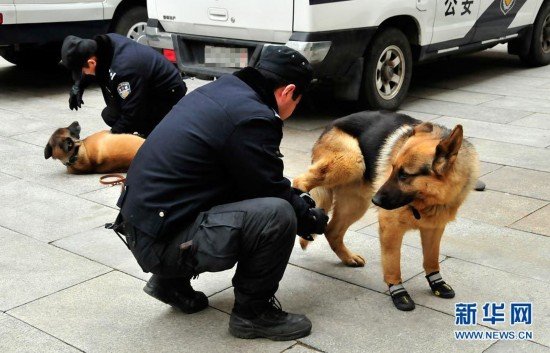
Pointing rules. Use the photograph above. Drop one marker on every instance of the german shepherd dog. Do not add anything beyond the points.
(102, 152)
(418, 174)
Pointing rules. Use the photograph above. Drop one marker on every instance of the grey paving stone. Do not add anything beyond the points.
(300, 348)
(478, 284)
(419, 115)
(106, 196)
(46, 214)
(519, 181)
(300, 140)
(517, 347)
(31, 269)
(349, 319)
(296, 162)
(18, 337)
(489, 114)
(308, 122)
(499, 132)
(12, 123)
(501, 248)
(537, 222)
(498, 208)
(320, 258)
(512, 155)
(369, 218)
(452, 95)
(535, 105)
(537, 120)
(6, 179)
(486, 168)
(27, 161)
(111, 314)
(103, 246)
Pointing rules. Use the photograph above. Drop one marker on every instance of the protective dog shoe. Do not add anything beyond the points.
(439, 287)
(177, 293)
(270, 322)
(401, 298)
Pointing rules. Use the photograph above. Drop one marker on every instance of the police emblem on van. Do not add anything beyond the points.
(123, 89)
(506, 5)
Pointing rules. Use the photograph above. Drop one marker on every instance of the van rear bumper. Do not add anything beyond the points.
(332, 54)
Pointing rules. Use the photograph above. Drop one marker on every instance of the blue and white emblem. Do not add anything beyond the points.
(124, 89)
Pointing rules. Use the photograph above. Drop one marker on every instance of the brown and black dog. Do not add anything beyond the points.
(418, 174)
(101, 152)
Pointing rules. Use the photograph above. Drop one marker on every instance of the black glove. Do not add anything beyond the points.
(305, 196)
(313, 222)
(75, 97)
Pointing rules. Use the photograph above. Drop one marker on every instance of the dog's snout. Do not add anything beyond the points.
(377, 199)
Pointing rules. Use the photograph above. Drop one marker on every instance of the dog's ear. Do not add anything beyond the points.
(48, 151)
(74, 129)
(447, 150)
(424, 127)
(68, 144)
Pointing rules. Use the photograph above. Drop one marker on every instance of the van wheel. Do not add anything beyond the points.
(131, 23)
(387, 71)
(539, 52)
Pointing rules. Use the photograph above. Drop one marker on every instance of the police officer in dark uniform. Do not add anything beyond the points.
(138, 84)
(206, 191)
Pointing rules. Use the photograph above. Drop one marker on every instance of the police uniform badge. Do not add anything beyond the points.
(506, 5)
(124, 89)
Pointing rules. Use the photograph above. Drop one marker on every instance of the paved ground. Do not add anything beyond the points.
(68, 285)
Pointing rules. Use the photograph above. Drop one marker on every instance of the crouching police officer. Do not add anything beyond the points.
(206, 191)
(139, 85)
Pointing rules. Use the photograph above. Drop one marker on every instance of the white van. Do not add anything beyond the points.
(31, 31)
(364, 48)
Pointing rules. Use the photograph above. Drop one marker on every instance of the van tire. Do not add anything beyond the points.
(386, 80)
(133, 18)
(539, 53)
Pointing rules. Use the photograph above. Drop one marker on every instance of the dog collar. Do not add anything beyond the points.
(74, 157)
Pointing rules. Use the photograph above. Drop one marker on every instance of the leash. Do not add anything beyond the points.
(117, 179)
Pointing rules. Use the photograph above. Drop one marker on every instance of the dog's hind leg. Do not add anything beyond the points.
(350, 204)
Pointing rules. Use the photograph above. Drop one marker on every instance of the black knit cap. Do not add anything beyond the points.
(75, 52)
(287, 64)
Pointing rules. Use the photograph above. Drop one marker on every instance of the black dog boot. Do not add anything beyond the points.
(439, 287)
(267, 319)
(176, 292)
(401, 299)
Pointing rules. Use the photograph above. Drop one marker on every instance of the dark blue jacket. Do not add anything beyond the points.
(219, 144)
(134, 79)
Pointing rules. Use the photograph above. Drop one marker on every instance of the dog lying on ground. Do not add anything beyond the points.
(419, 174)
(101, 152)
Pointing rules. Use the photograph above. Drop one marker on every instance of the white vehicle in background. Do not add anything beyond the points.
(364, 48)
(31, 31)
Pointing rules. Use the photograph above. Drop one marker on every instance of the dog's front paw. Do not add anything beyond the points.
(401, 298)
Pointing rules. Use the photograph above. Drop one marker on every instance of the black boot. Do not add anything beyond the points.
(401, 298)
(267, 319)
(439, 287)
(176, 292)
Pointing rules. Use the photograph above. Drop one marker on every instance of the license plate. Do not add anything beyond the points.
(225, 57)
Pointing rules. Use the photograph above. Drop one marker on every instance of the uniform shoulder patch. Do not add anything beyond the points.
(124, 89)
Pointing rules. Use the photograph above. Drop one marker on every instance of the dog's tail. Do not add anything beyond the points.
(323, 199)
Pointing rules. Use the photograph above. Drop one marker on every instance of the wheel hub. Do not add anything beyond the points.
(137, 31)
(390, 72)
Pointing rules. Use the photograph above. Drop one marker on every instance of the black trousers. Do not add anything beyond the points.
(156, 109)
(257, 234)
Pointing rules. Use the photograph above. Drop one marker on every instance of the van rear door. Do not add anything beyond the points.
(265, 21)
